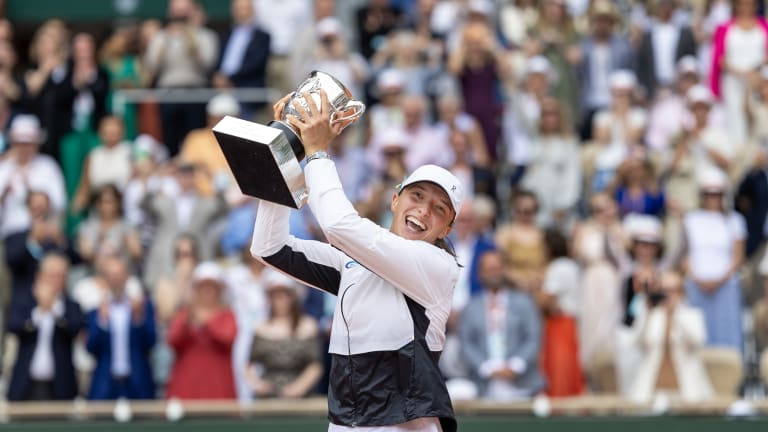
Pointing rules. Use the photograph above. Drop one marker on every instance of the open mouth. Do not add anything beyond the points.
(414, 224)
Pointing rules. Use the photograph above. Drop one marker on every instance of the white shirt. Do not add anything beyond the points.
(745, 49)
(120, 327)
(42, 367)
(562, 280)
(234, 52)
(664, 37)
(185, 204)
(711, 237)
(281, 19)
(42, 173)
(110, 165)
(600, 68)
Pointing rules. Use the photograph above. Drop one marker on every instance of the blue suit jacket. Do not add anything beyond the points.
(253, 69)
(64, 332)
(141, 339)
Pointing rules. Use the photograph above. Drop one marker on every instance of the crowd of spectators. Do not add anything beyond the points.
(615, 156)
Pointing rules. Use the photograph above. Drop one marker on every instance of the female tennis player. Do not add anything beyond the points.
(394, 286)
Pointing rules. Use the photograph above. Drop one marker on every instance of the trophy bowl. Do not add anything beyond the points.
(265, 159)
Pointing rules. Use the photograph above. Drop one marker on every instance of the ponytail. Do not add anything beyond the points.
(445, 245)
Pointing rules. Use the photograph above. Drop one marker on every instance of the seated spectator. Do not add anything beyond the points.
(637, 189)
(46, 329)
(560, 300)
(107, 164)
(24, 169)
(554, 172)
(201, 334)
(176, 211)
(121, 334)
(670, 335)
(714, 238)
(286, 346)
(500, 336)
(521, 244)
(106, 232)
(24, 249)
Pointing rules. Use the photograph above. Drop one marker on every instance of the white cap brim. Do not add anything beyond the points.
(441, 177)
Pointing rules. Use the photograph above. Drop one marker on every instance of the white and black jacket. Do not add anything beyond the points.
(394, 297)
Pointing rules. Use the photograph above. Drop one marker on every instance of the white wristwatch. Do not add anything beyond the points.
(318, 155)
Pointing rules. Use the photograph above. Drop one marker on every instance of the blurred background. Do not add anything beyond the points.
(612, 243)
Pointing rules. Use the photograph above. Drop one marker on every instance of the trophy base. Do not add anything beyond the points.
(263, 160)
(290, 135)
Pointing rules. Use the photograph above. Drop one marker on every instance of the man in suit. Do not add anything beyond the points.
(603, 51)
(243, 61)
(500, 336)
(662, 46)
(46, 329)
(24, 249)
(121, 334)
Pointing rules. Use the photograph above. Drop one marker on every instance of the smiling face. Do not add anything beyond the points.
(422, 211)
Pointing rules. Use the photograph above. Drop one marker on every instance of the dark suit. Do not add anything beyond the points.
(22, 264)
(752, 202)
(253, 69)
(65, 330)
(522, 338)
(141, 338)
(646, 59)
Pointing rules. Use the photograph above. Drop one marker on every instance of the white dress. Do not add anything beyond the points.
(744, 50)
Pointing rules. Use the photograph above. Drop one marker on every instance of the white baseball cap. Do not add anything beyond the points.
(441, 177)
(644, 228)
(223, 104)
(699, 94)
(623, 79)
(25, 128)
(208, 270)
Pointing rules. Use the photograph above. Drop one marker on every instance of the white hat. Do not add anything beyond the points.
(329, 26)
(643, 228)
(481, 7)
(687, 64)
(699, 94)
(223, 104)
(538, 64)
(25, 128)
(208, 270)
(391, 137)
(274, 280)
(712, 180)
(390, 79)
(441, 177)
(623, 79)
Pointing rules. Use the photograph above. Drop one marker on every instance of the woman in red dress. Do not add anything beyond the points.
(201, 334)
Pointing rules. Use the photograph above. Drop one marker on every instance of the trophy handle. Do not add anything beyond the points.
(357, 109)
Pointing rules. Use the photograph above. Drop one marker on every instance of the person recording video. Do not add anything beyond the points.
(669, 335)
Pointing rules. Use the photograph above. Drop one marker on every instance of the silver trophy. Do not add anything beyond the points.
(265, 159)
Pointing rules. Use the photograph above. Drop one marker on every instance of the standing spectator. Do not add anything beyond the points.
(201, 334)
(24, 249)
(282, 20)
(646, 261)
(521, 244)
(374, 22)
(244, 53)
(477, 64)
(451, 115)
(408, 53)
(45, 81)
(23, 170)
(670, 335)
(306, 40)
(248, 298)
(182, 55)
(184, 210)
(500, 333)
(560, 300)
(638, 190)
(286, 345)
(663, 45)
(553, 173)
(423, 147)
(10, 89)
(121, 334)
(120, 55)
(89, 83)
(604, 51)
(751, 201)
(470, 244)
(106, 231)
(714, 238)
(46, 329)
(596, 245)
(740, 49)
(107, 164)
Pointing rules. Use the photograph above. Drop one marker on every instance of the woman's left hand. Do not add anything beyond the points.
(315, 127)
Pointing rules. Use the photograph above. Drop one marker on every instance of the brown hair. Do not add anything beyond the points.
(295, 313)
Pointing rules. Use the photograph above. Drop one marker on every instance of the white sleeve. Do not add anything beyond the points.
(311, 262)
(737, 225)
(420, 270)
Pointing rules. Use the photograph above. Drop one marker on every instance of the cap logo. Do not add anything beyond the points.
(453, 188)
